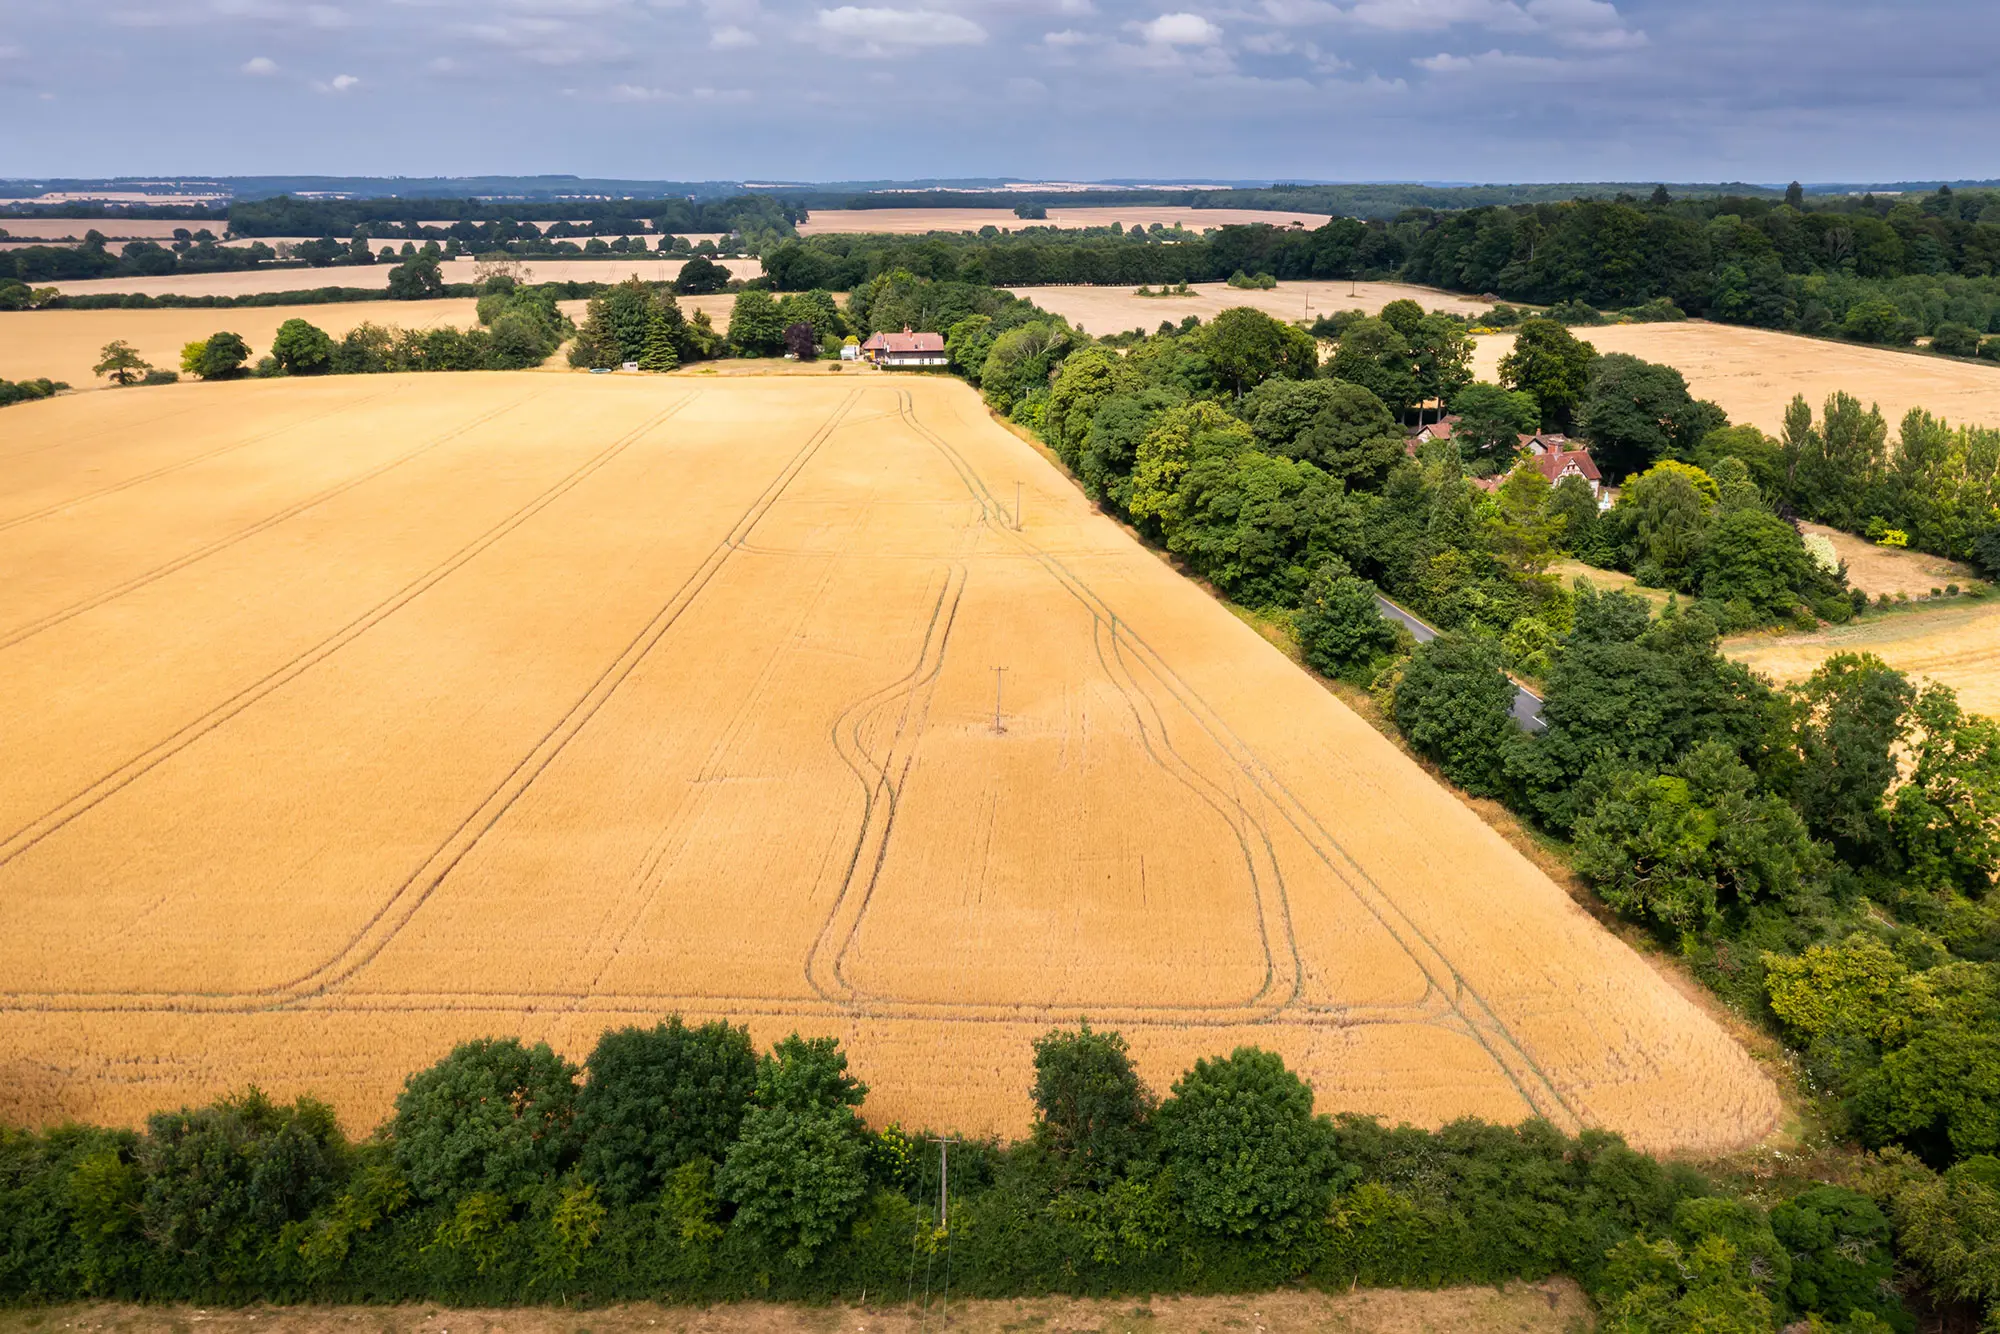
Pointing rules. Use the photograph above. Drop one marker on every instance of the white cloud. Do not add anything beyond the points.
(261, 66)
(1444, 63)
(730, 37)
(339, 83)
(1436, 15)
(1181, 30)
(883, 28)
(1068, 37)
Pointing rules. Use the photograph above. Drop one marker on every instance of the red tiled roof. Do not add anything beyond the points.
(905, 342)
(1555, 461)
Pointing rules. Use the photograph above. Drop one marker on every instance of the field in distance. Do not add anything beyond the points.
(251, 281)
(1107, 310)
(1753, 373)
(909, 221)
(66, 344)
(357, 716)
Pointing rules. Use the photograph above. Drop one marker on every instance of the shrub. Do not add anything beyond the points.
(1246, 1152)
(493, 1116)
(1956, 340)
(660, 1097)
(1454, 705)
(1340, 625)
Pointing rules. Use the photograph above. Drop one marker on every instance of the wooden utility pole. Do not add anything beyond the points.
(999, 676)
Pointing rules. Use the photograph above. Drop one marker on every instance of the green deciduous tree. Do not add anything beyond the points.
(1551, 363)
(1340, 625)
(1090, 1107)
(1340, 428)
(1373, 355)
(1851, 718)
(122, 362)
(660, 1097)
(494, 1116)
(222, 356)
(221, 1181)
(302, 349)
(1635, 413)
(797, 1172)
(1679, 850)
(1455, 704)
(1247, 347)
(701, 276)
(1247, 1155)
(756, 326)
(416, 279)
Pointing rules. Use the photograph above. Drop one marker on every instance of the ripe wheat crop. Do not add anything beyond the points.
(351, 718)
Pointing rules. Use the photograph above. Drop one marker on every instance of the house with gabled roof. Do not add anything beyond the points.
(890, 350)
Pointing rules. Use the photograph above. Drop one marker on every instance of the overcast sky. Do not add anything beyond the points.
(1485, 90)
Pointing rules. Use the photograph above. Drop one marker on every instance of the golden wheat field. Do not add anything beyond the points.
(912, 221)
(1104, 310)
(349, 718)
(1753, 373)
(66, 344)
(250, 282)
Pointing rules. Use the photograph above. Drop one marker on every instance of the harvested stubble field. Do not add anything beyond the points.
(1753, 373)
(113, 229)
(66, 344)
(354, 717)
(913, 221)
(251, 281)
(1105, 310)
(1952, 641)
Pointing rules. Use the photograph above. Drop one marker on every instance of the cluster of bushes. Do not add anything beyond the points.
(24, 391)
(678, 1163)
(638, 321)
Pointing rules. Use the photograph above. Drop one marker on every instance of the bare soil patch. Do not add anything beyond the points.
(361, 716)
(1554, 1306)
(1753, 373)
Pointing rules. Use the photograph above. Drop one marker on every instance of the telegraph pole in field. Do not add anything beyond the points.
(999, 676)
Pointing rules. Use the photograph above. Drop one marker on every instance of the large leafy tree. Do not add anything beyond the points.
(1455, 705)
(701, 276)
(1373, 355)
(495, 1116)
(797, 1172)
(660, 1097)
(1852, 717)
(1635, 413)
(1247, 347)
(1247, 1155)
(122, 362)
(1340, 428)
(1680, 850)
(221, 1181)
(220, 356)
(1340, 624)
(756, 325)
(302, 349)
(1491, 422)
(1090, 1106)
(417, 278)
(1551, 363)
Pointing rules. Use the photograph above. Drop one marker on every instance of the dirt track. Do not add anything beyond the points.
(1555, 1306)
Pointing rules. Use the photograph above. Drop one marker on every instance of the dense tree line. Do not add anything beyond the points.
(27, 391)
(1881, 269)
(405, 218)
(678, 1162)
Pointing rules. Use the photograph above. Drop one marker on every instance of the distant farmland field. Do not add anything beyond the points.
(250, 281)
(349, 718)
(1753, 373)
(909, 221)
(1106, 310)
